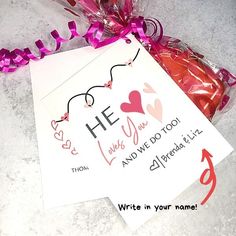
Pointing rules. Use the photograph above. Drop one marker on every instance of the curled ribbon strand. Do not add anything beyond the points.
(11, 60)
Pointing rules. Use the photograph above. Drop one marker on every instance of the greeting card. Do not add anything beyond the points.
(111, 122)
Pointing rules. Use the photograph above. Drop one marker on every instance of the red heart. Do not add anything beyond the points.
(59, 135)
(67, 145)
(54, 124)
(135, 104)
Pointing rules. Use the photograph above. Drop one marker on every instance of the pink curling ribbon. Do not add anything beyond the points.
(11, 60)
(229, 78)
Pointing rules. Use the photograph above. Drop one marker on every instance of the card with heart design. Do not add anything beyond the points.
(139, 135)
(66, 177)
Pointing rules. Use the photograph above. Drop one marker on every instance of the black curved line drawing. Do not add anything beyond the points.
(88, 94)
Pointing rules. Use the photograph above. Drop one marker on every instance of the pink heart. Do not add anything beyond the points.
(156, 110)
(148, 88)
(135, 104)
(65, 117)
(88, 104)
(59, 135)
(108, 85)
(54, 124)
(74, 152)
(67, 145)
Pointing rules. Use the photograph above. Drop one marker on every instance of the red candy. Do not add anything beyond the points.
(192, 75)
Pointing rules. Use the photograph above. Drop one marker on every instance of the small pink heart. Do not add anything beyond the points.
(135, 104)
(156, 110)
(65, 117)
(74, 152)
(148, 88)
(88, 104)
(130, 62)
(54, 124)
(59, 135)
(108, 85)
(66, 145)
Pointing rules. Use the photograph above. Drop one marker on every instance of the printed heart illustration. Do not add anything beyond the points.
(154, 166)
(74, 152)
(108, 85)
(59, 135)
(135, 104)
(148, 88)
(88, 104)
(129, 62)
(156, 110)
(65, 116)
(67, 145)
(54, 124)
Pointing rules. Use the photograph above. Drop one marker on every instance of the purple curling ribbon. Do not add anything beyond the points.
(11, 60)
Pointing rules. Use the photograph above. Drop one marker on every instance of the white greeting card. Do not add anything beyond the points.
(64, 176)
(117, 125)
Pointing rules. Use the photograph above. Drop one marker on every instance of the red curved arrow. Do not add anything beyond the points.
(211, 176)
